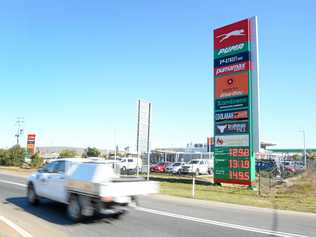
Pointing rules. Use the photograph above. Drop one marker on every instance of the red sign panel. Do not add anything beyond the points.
(232, 85)
(31, 137)
(231, 34)
(238, 67)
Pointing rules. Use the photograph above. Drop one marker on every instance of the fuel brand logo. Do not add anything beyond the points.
(232, 140)
(235, 115)
(231, 128)
(221, 128)
(232, 49)
(231, 103)
(233, 85)
(238, 67)
(234, 33)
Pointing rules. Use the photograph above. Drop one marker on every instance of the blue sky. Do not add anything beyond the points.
(75, 69)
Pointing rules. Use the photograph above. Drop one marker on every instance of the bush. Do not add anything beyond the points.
(91, 152)
(12, 157)
(36, 160)
(3, 156)
(67, 154)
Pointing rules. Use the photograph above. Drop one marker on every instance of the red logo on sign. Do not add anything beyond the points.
(31, 137)
(231, 34)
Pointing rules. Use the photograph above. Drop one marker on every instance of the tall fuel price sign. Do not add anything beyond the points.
(31, 144)
(236, 102)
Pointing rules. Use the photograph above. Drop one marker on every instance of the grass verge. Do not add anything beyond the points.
(299, 194)
(16, 170)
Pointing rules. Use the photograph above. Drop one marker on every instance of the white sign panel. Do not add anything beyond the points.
(232, 140)
(143, 126)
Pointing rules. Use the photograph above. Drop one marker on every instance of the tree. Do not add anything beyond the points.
(3, 156)
(67, 153)
(91, 152)
(13, 156)
(36, 160)
(297, 157)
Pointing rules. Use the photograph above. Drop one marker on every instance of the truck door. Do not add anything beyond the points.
(56, 182)
(42, 178)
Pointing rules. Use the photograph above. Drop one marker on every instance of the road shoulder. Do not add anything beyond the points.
(207, 203)
(33, 225)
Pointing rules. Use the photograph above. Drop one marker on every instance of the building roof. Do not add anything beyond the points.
(292, 150)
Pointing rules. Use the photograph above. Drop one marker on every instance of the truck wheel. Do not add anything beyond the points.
(123, 170)
(31, 195)
(197, 172)
(74, 208)
(118, 214)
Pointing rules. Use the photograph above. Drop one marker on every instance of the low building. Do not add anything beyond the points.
(191, 151)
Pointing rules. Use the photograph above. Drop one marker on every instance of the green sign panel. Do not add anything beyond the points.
(231, 50)
(231, 103)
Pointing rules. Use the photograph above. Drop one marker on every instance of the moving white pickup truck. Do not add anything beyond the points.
(87, 186)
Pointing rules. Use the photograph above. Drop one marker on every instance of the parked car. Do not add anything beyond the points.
(197, 166)
(175, 168)
(289, 170)
(129, 164)
(293, 166)
(265, 165)
(299, 166)
(160, 167)
(86, 186)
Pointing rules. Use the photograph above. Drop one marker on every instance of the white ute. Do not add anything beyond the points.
(198, 166)
(87, 186)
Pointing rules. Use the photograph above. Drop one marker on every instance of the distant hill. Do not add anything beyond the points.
(57, 149)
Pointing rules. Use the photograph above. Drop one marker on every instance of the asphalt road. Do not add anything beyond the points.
(154, 216)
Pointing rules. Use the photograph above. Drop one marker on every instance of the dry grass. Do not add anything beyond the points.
(16, 170)
(299, 195)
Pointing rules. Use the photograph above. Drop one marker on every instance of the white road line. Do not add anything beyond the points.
(217, 223)
(14, 183)
(15, 227)
(200, 220)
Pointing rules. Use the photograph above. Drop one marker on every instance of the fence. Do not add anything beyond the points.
(266, 180)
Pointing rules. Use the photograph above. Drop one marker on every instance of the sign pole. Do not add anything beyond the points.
(148, 143)
(137, 146)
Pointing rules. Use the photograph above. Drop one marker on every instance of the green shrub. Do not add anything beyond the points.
(13, 156)
(36, 160)
(68, 154)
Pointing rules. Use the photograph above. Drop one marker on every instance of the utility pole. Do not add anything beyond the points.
(19, 121)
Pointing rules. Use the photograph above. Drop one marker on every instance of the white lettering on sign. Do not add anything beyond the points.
(231, 68)
(231, 48)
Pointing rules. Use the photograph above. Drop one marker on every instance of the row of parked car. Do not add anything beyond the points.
(205, 166)
(290, 167)
(196, 166)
